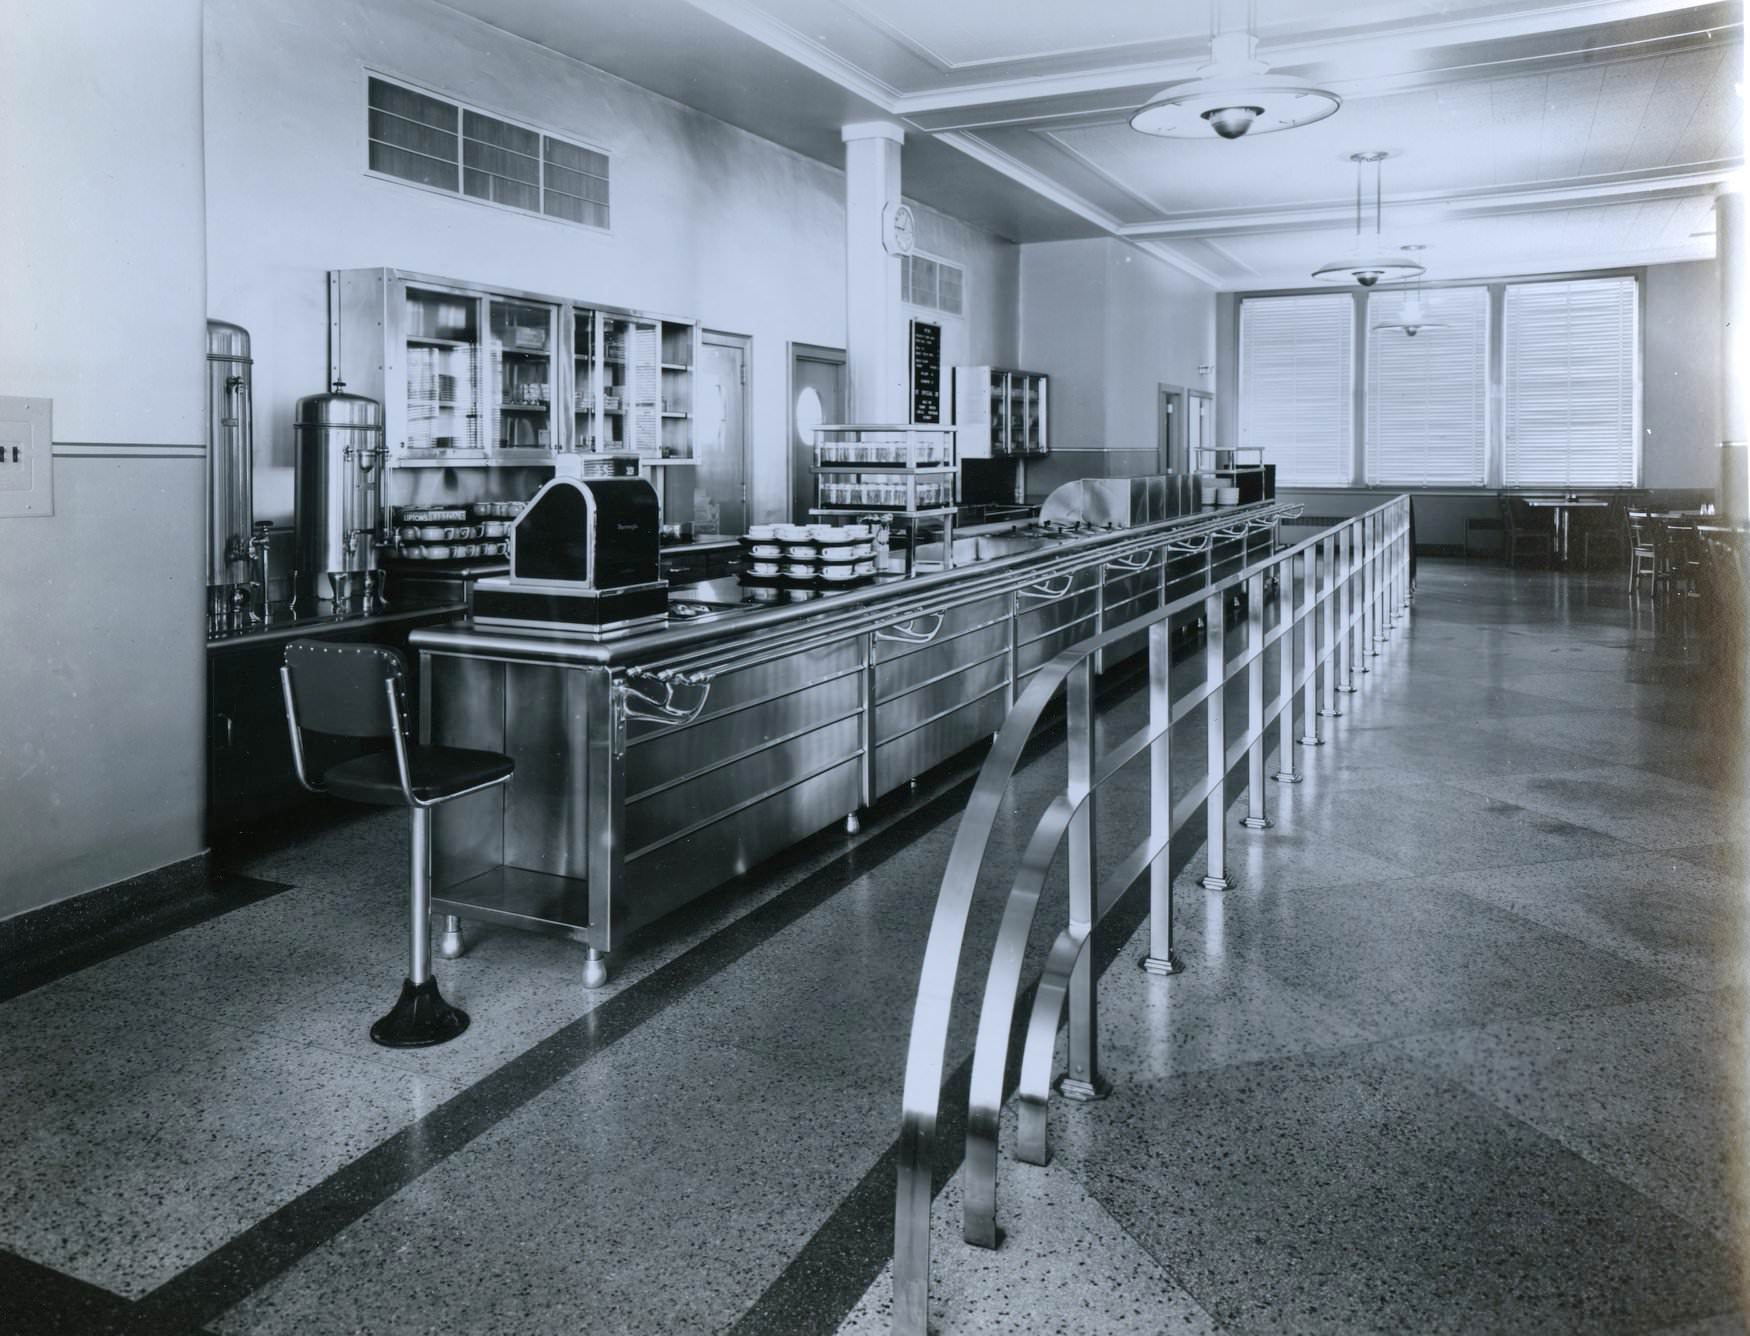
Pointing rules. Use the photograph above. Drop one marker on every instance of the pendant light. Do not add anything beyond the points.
(1368, 267)
(1410, 319)
(1234, 94)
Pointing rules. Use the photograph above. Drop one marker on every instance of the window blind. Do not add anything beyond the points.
(1571, 383)
(1428, 396)
(1297, 386)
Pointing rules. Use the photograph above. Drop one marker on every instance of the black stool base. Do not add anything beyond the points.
(420, 1018)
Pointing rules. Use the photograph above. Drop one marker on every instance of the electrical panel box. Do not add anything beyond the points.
(27, 478)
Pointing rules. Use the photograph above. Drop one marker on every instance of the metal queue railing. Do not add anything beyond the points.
(1354, 585)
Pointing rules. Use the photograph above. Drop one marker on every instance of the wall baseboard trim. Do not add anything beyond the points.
(42, 945)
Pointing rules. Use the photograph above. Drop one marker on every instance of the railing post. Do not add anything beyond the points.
(1309, 648)
(1215, 715)
(1328, 620)
(1285, 769)
(1346, 641)
(1162, 957)
(1255, 817)
(1083, 1080)
(1381, 550)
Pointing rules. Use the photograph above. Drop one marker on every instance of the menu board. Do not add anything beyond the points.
(926, 372)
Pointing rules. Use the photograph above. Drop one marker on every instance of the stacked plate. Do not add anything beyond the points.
(808, 556)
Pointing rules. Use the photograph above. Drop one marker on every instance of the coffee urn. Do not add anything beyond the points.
(339, 503)
(233, 545)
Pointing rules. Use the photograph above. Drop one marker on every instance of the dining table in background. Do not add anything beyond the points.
(1562, 505)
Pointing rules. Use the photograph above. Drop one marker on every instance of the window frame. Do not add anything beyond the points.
(463, 108)
(1356, 364)
(1497, 285)
(1490, 335)
(1637, 425)
(906, 261)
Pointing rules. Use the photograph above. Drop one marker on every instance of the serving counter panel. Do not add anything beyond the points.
(653, 768)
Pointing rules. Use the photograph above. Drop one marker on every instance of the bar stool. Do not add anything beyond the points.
(359, 692)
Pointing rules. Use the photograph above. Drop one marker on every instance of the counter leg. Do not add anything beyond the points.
(449, 942)
(853, 824)
(595, 968)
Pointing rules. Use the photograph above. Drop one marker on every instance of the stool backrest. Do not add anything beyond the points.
(339, 689)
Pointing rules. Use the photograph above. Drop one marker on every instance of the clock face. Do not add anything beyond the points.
(900, 234)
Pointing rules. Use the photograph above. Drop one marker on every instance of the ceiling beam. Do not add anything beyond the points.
(1425, 206)
(1407, 59)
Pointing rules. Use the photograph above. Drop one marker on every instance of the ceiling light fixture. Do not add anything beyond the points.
(1410, 319)
(1368, 267)
(1234, 94)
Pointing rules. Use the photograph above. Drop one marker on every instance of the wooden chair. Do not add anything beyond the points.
(1521, 531)
(1643, 555)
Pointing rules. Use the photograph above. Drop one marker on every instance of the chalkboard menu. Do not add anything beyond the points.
(926, 372)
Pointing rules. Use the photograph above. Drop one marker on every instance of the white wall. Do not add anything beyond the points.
(101, 612)
(709, 222)
(1160, 327)
(1110, 324)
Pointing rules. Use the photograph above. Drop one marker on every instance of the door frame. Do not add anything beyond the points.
(724, 339)
(818, 352)
(1208, 396)
(1169, 433)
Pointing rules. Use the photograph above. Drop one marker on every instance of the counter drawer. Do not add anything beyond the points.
(910, 754)
(955, 620)
(657, 816)
(671, 874)
(918, 708)
(677, 753)
(1028, 658)
(898, 676)
(777, 676)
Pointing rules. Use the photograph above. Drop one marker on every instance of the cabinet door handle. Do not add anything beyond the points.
(224, 722)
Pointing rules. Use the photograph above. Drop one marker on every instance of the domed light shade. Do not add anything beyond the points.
(1234, 95)
(1369, 267)
(1412, 320)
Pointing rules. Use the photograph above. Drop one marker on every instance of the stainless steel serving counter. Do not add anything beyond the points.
(653, 768)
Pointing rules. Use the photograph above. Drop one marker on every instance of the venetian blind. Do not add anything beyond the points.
(1428, 396)
(1296, 386)
(1571, 383)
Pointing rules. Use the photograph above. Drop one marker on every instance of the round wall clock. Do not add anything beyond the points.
(898, 229)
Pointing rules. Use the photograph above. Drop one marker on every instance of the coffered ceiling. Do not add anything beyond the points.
(1524, 135)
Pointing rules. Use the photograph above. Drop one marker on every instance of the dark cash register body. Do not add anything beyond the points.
(584, 557)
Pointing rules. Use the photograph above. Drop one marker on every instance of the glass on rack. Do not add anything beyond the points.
(442, 334)
(522, 350)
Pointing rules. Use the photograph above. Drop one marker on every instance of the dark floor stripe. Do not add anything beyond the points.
(41, 1301)
(46, 944)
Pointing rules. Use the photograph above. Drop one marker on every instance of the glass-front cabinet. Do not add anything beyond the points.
(1001, 413)
(483, 388)
(522, 340)
(474, 375)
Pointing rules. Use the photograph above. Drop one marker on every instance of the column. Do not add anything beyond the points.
(1729, 243)
(875, 351)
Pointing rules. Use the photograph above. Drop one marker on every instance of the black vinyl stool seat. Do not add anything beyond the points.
(433, 773)
(359, 693)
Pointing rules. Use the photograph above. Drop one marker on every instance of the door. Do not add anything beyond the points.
(817, 395)
(1174, 457)
(720, 435)
(1199, 424)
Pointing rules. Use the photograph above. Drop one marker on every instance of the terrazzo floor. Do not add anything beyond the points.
(1461, 1050)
